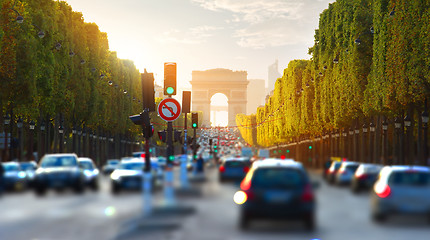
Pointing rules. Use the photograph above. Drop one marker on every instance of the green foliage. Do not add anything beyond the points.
(385, 73)
(42, 78)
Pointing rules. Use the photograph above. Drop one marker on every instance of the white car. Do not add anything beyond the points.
(90, 171)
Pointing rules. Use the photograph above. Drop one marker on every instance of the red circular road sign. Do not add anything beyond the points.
(169, 109)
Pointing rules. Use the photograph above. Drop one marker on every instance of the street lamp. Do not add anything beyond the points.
(61, 131)
(31, 124)
(19, 124)
(6, 120)
(409, 140)
(397, 126)
(42, 139)
(384, 142)
(371, 138)
(364, 157)
(425, 119)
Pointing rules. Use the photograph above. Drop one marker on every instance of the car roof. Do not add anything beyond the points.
(237, 158)
(85, 159)
(61, 154)
(274, 162)
(350, 163)
(408, 167)
(10, 163)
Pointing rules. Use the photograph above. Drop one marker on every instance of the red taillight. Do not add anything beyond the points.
(307, 195)
(222, 169)
(382, 191)
(362, 177)
(246, 169)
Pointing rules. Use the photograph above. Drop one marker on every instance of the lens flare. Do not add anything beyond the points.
(240, 197)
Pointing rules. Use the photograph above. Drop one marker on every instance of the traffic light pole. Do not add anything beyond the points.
(169, 192)
(184, 157)
(195, 152)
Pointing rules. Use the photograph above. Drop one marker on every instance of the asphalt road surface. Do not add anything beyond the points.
(99, 215)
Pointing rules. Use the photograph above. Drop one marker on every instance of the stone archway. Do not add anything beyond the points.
(232, 84)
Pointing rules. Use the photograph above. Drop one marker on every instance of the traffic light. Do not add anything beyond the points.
(177, 135)
(310, 147)
(170, 78)
(148, 91)
(215, 148)
(194, 120)
(143, 120)
(186, 100)
(162, 135)
(149, 131)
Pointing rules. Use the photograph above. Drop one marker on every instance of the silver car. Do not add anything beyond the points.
(401, 189)
(346, 172)
(91, 172)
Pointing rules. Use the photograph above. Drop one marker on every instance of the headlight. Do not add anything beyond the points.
(21, 174)
(88, 173)
(115, 176)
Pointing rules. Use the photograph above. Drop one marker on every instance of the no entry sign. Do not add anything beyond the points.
(169, 109)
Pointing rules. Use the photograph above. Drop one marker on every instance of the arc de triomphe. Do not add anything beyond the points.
(232, 84)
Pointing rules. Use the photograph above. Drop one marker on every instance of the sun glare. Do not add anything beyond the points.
(219, 110)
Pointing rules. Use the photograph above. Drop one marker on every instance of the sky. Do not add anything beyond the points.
(241, 35)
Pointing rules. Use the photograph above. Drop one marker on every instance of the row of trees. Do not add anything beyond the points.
(54, 67)
(370, 63)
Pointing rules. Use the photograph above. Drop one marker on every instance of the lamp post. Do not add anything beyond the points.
(19, 124)
(42, 140)
(32, 124)
(408, 143)
(384, 142)
(6, 120)
(350, 144)
(371, 139)
(74, 131)
(425, 119)
(61, 132)
(79, 141)
(356, 143)
(364, 156)
(397, 126)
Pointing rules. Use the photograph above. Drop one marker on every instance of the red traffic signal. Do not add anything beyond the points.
(162, 135)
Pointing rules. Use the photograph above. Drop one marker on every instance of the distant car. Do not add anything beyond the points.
(331, 174)
(234, 168)
(346, 172)
(111, 164)
(401, 190)
(59, 171)
(365, 176)
(90, 171)
(14, 178)
(128, 176)
(30, 170)
(276, 189)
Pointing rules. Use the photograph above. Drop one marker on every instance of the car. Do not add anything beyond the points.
(346, 172)
(30, 171)
(59, 171)
(234, 168)
(276, 189)
(365, 176)
(128, 176)
(401, 190)
(14, 177)
(90, 171)
(331, 174)
(111, 164)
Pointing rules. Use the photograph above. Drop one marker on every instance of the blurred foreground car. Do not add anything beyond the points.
(90, 171)
(59, 171)
(401, 190)
(30, 171)
(14, 178)
(365, 176)
(276, 189)
(128, 176)
(111, 164)
(346, 172)
(234, 168)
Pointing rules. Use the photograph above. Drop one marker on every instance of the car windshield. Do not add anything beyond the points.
(277, 178)
(27, 166)
(58, 161)
(410, 178)
(11, 167)
(86, 165)
(132, 166)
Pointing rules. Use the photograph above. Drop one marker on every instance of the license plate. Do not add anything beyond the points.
(277, 197)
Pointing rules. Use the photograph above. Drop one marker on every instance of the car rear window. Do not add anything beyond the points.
(352, 168)
(410, 178)
(277, 178)
(235, 164)
(132, 166)
(86, 165)
(66, 161)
